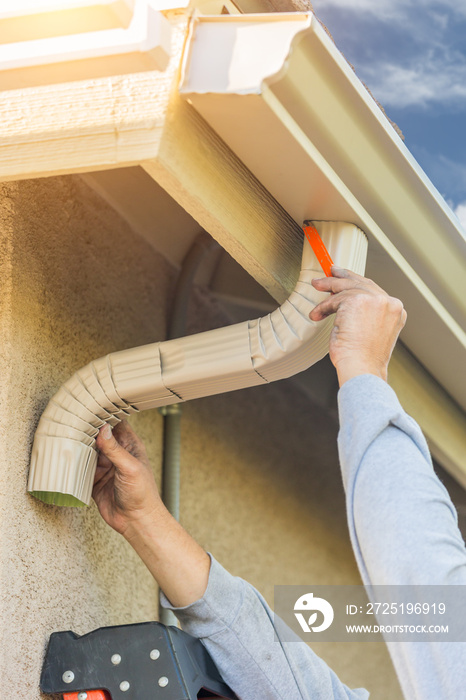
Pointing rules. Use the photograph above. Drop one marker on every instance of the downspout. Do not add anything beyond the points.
(276, 346)
(203, 245)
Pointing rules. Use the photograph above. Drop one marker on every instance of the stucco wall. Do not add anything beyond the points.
(260, 482)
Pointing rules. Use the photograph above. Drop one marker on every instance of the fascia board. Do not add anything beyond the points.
(148, 33)
(33, 7)
(442, 422)
(313, 136)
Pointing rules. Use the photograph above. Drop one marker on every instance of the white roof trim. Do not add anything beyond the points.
(148, 33)
(9, 9)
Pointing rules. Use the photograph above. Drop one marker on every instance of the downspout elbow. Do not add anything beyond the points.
(276, 346)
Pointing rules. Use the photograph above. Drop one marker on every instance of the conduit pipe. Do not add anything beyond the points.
(203, 245)
(246, 354)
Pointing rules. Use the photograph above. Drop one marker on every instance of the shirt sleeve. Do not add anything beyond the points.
(237, 627)
(402, 523)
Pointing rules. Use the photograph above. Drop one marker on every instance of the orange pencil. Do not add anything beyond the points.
(318, 247)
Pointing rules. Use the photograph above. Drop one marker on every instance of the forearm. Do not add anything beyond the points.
(238, 628)
(128, 499)
(178, 564)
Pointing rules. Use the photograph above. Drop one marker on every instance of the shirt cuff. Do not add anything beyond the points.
(218, 607)
(365, 394)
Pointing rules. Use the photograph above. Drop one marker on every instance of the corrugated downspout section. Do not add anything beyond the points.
(246, 354)
(286, 341)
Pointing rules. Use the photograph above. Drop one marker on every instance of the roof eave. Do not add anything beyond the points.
(311, 133)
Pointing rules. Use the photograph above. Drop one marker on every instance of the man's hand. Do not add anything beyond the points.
(124, 488)
(128, 500)
(367, 323)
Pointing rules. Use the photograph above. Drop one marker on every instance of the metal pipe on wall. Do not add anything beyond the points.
(202, 246)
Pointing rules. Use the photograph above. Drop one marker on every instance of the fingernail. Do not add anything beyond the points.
(106, 432)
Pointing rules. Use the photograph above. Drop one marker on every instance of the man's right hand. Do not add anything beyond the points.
(367, 323)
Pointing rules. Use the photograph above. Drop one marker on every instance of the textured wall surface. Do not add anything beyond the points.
(260, 482)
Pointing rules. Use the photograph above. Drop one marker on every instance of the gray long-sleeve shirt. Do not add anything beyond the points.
(404, 530)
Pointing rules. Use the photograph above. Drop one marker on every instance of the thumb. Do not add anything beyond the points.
(116, 453)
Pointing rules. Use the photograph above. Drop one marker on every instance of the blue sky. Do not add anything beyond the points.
(412, 56)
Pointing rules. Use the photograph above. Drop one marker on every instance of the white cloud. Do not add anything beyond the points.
(396, 8)
(424, 80)
(418, 63)
(446, 174)
(412, 54)
(381, 8)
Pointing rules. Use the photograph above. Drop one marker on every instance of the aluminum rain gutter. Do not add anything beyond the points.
(280, 94)
(284, 342)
